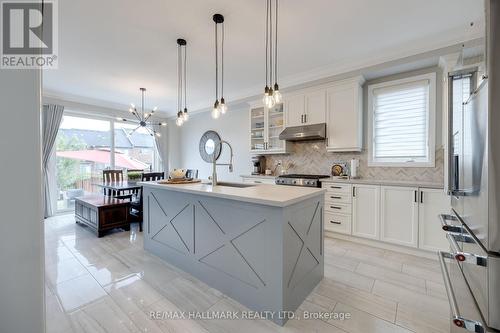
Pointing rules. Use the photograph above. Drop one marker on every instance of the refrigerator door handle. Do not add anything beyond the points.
(444, 218)
(459, 255)
(458, 320)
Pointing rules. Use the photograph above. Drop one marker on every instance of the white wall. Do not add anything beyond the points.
(21, 226)
(232, 127)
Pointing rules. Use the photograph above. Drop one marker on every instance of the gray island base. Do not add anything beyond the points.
(261, 245)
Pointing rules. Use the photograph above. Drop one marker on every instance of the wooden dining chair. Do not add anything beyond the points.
(111, 176)
(136, 202)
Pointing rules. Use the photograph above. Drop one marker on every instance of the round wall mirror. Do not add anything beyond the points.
(210, 146)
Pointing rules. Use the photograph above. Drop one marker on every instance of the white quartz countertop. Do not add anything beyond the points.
(265, 194)
(383, 182)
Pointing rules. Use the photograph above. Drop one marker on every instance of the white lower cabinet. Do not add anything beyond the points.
(432, 202)
(399, 215)
(340, 223)
(365, 211)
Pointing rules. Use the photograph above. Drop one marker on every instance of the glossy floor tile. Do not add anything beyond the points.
(111, 284)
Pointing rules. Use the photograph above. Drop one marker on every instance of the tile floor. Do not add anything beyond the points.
(111, 285)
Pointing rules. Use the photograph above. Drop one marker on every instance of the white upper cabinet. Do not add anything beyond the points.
(265, 127)
(365, 211)
(432, 202)
(344, 115)
(399, 215)
(294, 109)
(315, 107)
(306, 108)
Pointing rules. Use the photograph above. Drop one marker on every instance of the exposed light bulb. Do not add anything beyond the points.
(154, 109)
(131, 110)
(222, 106)
(179, 121)
(157, 134)
(132, 105)
(277, 95)
(266, 94)
(185, 114)
(216, 110)
(163, 124)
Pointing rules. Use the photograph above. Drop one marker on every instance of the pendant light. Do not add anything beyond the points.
(143, 118)
(272, 94)
(220, 106)
(182, 113)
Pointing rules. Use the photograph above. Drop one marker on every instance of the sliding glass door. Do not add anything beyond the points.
(86, 146)
(83, 150)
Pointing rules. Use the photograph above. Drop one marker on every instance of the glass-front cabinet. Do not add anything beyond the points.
(265, 128)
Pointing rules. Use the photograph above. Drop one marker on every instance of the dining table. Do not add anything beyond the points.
(120, 187)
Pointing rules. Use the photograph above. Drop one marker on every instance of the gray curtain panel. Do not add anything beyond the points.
(51, 120)
(162, 147)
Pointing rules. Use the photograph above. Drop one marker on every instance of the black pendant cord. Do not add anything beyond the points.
(222, 63)
(267, 38)
(178, 78)
(270, 45)
(276, 47)
(142, 104)
(185, 76)
(216, 66)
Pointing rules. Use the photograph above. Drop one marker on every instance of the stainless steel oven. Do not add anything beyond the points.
(472, 276)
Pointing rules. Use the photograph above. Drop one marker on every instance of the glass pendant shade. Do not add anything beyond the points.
(222, 106)
(216, 111)
(185, 115)
(277, 95)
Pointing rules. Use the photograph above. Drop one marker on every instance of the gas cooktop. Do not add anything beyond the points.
(300, 180)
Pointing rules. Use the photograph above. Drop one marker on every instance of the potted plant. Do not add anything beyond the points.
(134, 176)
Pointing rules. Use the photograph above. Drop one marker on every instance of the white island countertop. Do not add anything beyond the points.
(265, 194)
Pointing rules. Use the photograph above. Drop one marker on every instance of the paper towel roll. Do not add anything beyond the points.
(354, 168)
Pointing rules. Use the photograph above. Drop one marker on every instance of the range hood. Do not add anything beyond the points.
(305, 132)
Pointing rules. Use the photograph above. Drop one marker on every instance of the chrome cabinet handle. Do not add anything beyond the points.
(458, 320)
(335, 222)
(449, 227)
(354, 191)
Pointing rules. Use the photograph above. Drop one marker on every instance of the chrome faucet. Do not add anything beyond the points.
(215, 164)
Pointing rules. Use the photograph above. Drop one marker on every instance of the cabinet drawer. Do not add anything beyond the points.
(337, 187)
(252, 180)
(340, 223)
(338, 208)
(338, 197)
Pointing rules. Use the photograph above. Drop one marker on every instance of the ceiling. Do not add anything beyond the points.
(108, 49)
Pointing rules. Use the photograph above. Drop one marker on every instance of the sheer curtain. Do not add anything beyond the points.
(51, 120)
(162, 147)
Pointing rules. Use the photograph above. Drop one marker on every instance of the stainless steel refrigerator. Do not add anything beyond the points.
(472, 276)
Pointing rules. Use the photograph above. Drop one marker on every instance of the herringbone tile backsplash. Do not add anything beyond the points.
(312, 158)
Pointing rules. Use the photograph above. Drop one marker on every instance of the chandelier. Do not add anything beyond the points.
(143, 118)
(272, 94)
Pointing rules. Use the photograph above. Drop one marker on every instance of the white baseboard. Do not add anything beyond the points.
(383, 245)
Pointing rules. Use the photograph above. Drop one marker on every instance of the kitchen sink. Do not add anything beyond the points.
(240, 185)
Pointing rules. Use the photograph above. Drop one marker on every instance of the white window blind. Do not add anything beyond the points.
(400, 123)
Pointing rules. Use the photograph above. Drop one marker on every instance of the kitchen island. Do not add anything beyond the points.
(261, 245)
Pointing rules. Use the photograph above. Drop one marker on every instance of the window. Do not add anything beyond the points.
(402, 122)
(85, 147)
(135, 148)
(83, 150)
